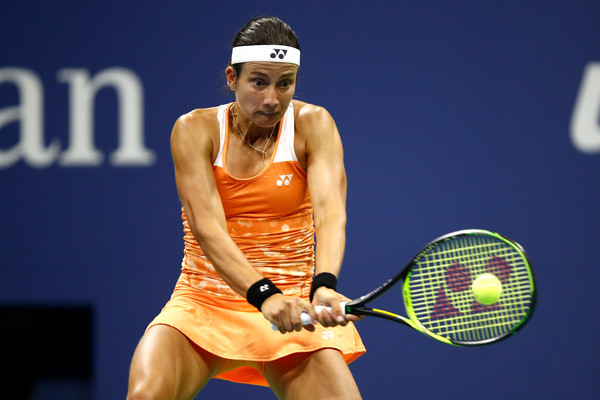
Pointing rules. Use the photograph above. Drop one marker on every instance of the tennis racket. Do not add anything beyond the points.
(438, 289)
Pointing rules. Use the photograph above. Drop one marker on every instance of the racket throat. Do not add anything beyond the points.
(376, 312)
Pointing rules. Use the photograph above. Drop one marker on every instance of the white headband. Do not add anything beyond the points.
(265, 53)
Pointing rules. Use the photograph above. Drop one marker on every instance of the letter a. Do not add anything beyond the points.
(30, 114)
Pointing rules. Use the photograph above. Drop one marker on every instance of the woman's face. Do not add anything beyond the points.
(263, 90)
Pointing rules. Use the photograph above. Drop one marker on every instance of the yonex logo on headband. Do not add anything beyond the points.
(265, 53)
(279, 53)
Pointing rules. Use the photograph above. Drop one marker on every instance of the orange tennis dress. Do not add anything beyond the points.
(269, 217)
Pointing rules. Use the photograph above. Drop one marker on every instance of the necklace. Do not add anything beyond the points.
(264, 150)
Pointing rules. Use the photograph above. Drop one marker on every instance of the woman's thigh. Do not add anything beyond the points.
(322, 374)
(167, 365)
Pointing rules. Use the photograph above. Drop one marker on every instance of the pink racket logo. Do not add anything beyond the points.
(458, 280)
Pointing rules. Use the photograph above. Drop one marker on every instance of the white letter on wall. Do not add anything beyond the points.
(585, 122)
(30, 114)
(82, 93)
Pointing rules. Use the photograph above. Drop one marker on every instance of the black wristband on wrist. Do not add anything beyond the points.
(261, 291)
(323, 279)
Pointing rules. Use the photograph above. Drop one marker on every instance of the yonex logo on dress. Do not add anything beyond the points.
(279, 53)
(285, 180)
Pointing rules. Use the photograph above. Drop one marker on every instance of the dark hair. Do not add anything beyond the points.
(263, 31)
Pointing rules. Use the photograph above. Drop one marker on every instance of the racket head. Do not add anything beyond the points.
(438, 294)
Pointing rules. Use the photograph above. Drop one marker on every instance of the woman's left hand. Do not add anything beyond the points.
(335, 316)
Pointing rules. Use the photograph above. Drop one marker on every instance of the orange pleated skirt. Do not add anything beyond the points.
(235, 331)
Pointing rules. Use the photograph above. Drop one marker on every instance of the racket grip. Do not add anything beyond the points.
(307, 320)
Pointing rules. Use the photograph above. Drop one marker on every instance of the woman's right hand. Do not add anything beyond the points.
(284, 312)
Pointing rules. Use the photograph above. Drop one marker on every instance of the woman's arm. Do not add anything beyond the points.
(192, 148)
(327, 185)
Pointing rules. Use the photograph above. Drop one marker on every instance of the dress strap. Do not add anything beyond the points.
(222, 117)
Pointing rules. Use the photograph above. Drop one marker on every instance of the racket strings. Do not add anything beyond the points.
(440, 288)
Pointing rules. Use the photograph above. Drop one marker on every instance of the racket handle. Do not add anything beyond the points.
(307, 320)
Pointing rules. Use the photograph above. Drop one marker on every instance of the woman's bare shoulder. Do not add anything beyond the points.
(199, 118)
(196, 131)
(310, 117)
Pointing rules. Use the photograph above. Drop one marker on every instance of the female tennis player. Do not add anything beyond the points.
(258, 180)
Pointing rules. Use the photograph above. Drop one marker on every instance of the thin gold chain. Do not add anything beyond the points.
(264, 150)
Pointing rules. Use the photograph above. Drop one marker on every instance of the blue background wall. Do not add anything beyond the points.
(453, 115)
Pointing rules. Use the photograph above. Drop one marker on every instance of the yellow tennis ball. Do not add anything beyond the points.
(487, 289)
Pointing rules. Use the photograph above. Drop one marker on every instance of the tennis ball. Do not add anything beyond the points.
(487, 289)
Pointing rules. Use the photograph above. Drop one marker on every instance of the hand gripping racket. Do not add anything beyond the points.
(439, 294)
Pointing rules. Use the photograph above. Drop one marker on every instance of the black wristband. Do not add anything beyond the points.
(260, 291)
(323, 279)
